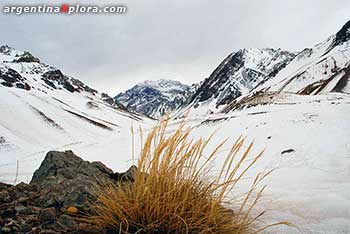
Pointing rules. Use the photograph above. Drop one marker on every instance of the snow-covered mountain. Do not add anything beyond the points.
(239, 73)
(22, 70)
(322, 69)
(43, 109)
(156, 98)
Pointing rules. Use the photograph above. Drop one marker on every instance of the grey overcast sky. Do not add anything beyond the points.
(169, 39)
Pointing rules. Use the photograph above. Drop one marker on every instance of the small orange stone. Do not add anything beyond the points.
(72, 210)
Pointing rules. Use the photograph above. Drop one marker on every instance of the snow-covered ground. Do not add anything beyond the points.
(305, 138)
(311, 185)
(33, 123)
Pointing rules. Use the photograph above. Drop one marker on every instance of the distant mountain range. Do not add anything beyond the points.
(322, 68)
(239, 77)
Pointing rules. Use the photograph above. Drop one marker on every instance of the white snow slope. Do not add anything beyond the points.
(35, 121)
(311, 185)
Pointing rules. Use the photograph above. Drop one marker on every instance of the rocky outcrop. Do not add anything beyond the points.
(55, 78)
(343, 35)
(11, 78)
(72, 181)
(61, 190)
(106, 98)
(27, 57)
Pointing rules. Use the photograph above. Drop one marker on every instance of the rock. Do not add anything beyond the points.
(70, 179)
(67, 222)
(106, 98)
(287, 151)
(22, 209)
(27, 57)
(54, 75)
(4, 187)
(72, 210)
(7, 84)
(49, 83)
(69, 87)
(35, 210)
(62, 187)
(8, 213)
(10, 76)
(48, 214)
(125, 176)
(2, 141)
(4, 196)
(48, 232)
(5, 49)
(12, 227)
(5, 230)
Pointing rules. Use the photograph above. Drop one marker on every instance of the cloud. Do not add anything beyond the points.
(171, 39)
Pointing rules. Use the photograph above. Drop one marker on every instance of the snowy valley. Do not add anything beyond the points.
(293, 105)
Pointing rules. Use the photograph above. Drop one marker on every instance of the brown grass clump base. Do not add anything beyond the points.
(174, 194)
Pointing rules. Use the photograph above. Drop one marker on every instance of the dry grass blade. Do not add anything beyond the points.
(173, 193)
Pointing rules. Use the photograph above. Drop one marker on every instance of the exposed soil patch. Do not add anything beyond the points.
(210, 121)
(61, 101)
(98, 124)
(258, 113)
(46, 118)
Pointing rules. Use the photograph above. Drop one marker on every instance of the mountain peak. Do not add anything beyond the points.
(10, 51)
(155, 97)
(164, 85)
(241, 71)
(10, 54)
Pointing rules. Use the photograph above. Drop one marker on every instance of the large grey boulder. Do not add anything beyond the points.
(69, 180)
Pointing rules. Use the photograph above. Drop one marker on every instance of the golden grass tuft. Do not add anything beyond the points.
(173, 191)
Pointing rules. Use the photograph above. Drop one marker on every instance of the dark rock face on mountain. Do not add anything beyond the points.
(240, 72)
(55, 79)
(62, 188)
(24, 57)
(343, 35)
(27, 57)
(11, 78)
(155, 98)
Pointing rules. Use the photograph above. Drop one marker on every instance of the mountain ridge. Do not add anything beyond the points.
(155, 98)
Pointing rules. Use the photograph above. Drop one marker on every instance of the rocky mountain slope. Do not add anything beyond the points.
(320, 69)
(155, 98)
(240, 72)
